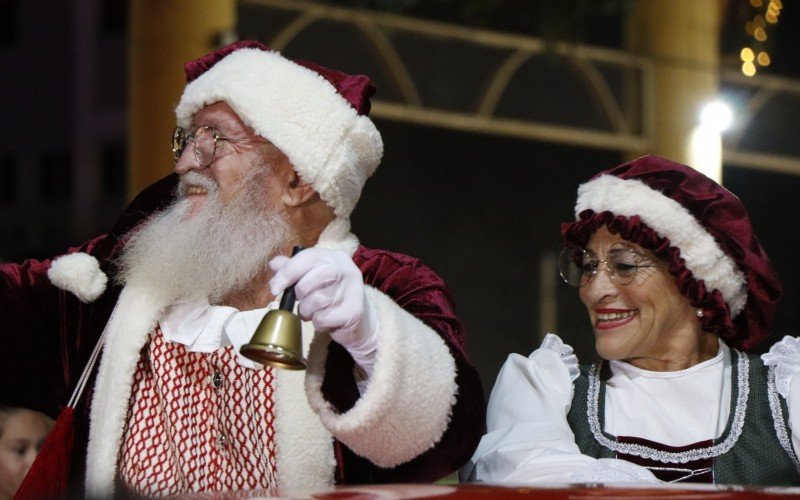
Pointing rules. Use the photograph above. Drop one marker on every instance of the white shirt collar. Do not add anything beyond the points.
(202, 327)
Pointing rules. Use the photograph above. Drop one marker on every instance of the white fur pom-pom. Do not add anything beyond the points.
(80, 274)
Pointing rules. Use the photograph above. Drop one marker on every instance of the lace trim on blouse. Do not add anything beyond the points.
(593, 399)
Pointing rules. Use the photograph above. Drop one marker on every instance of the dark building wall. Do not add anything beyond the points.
(481, 210)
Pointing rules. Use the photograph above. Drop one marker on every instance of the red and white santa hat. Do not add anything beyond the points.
(316, 116)
(700, 228)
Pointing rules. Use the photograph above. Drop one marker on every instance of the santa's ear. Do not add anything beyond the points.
(80, 274)
(295, 191)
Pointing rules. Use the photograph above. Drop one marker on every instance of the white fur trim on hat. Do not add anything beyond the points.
(330, 145)
(80, 274)
(406, 407)
(704, 258)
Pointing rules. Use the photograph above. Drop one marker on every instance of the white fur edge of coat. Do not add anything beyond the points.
(304, 448)
(135, 315)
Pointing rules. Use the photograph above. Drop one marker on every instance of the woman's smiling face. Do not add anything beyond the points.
(644, 322)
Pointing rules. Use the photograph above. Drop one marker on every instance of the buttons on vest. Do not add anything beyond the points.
(222, 440)
(216, 379)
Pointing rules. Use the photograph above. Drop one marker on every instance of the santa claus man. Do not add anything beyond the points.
(269, 153)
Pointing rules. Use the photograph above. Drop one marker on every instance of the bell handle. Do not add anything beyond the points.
(288, 298)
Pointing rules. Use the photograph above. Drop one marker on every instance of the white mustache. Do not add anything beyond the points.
(196, 179)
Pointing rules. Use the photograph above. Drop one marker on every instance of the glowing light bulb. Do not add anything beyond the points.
(716, 115)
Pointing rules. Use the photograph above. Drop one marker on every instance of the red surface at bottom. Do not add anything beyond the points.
(487, 491)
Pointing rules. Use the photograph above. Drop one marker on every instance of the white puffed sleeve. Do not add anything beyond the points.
(528, 437)
(785, 357)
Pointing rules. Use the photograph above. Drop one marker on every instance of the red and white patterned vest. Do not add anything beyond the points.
(197, 422)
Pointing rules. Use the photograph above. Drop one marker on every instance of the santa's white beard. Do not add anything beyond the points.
(218, 251)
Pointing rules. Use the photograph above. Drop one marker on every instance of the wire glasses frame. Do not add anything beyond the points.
(577, 266)
(205, 140)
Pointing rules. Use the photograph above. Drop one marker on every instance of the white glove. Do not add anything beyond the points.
(331, 294)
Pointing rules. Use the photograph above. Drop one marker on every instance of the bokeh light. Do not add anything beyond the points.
(716, 115)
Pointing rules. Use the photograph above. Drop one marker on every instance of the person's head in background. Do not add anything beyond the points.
(22, 433)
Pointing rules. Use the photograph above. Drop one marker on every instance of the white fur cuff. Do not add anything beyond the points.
(407, 405)
(80, 274)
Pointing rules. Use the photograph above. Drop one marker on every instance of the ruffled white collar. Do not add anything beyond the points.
(202, 327)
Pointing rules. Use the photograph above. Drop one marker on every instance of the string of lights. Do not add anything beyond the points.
(754, 54)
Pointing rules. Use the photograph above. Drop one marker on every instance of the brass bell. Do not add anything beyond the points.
(278, 340)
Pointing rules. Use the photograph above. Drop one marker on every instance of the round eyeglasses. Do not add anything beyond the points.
(205, 140)
(578, 266)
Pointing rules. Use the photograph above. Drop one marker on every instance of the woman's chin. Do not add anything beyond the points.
(608, 349)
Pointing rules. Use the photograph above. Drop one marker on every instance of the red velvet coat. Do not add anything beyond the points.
(49, 335)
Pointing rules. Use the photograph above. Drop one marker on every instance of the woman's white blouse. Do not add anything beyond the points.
(674, 408)
(529, 439)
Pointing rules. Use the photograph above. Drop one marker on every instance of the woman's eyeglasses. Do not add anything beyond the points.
(578, 266)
